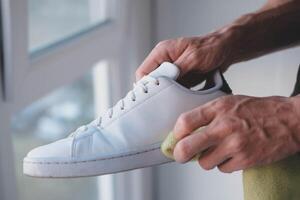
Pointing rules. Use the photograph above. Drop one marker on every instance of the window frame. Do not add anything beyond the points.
(24, 80)
(24, 73)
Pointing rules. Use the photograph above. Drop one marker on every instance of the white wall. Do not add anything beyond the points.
(269, 75)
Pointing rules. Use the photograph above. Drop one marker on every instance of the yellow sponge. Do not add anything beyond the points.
(168, 145)
(276, 181)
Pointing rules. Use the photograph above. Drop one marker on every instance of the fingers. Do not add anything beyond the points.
(190, 121)
(202, 54)
(157, 56)
(189, 146)
(196, 143)
(222, 153)
(222, 142)
(234, 164)
(229, 156)
(213, 158)
(204, 115)
(168, 50)
(188, 61)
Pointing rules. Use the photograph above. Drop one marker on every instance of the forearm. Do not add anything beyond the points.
(270, 29)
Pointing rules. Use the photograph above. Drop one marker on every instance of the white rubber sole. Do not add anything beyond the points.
(96, 167)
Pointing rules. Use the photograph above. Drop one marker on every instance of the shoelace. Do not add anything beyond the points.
(141, 84)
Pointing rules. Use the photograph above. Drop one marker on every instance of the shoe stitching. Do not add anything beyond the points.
(95, 160)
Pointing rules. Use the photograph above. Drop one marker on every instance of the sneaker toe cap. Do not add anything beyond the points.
(58, 149)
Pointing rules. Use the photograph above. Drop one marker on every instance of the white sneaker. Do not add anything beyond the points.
(127, 136)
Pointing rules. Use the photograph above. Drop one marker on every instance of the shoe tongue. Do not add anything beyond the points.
(166, 69)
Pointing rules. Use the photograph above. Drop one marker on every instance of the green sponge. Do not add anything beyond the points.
(168, 145)
(276, 181)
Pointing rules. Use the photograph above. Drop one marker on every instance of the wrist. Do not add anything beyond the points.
(295, 127)
(240, 33)
(295, 100)
(266, 30)
(230, 37)
(236, 36)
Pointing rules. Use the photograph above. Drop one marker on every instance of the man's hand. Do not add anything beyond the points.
(273, 27)
(241, 132)
(195, 54)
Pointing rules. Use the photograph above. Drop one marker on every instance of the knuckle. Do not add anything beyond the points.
(182, 151)
(207, 136)
(163, 44)
(236, 145)
(187, 42)
(226, 126)
(204, 113)
(182, 39)
(222, 103)
(183, 122)
(138, 73)
(231, 124)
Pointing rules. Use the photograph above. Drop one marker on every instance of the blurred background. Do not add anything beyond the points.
(65, 61)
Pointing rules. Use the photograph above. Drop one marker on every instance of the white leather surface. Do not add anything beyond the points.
(141, 124)
(61, 148)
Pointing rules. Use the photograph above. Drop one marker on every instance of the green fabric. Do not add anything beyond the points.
(168, 145)
(276, 181)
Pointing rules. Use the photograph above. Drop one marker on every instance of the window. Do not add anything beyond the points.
(53, 21)
(51, 77)
(54, 117)
(49, 37)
